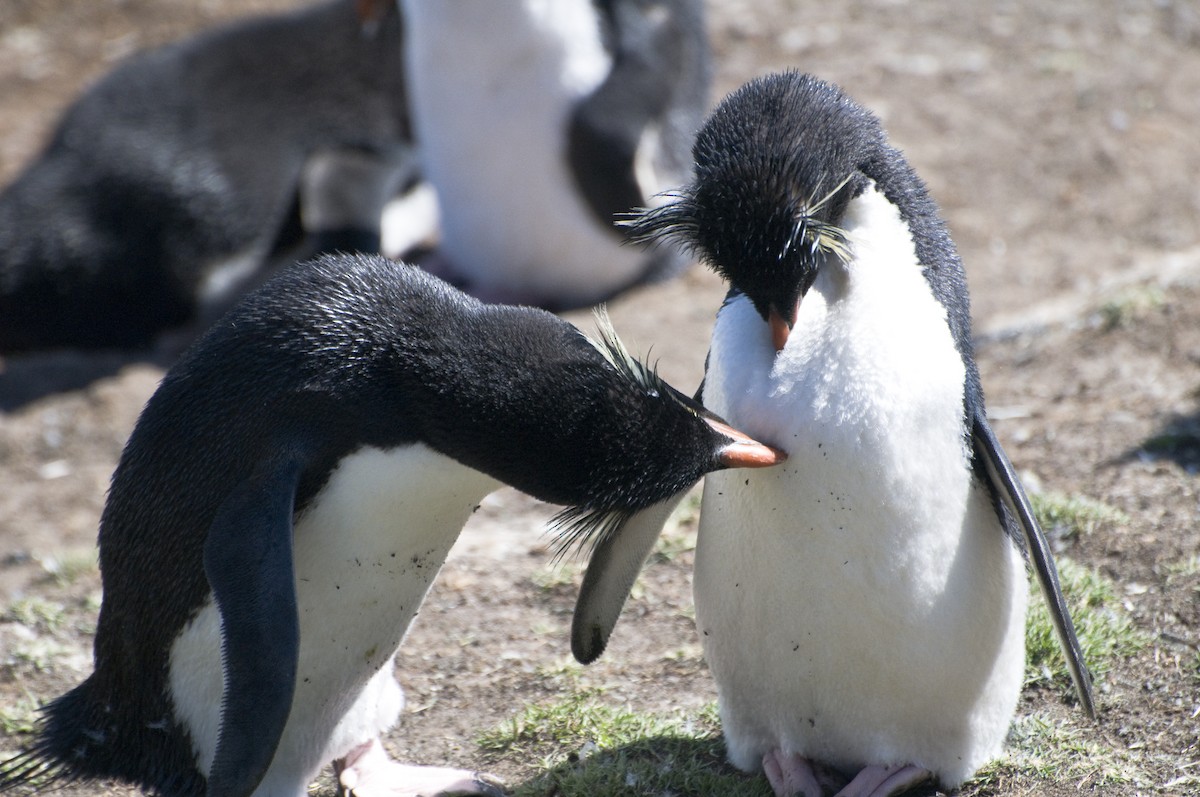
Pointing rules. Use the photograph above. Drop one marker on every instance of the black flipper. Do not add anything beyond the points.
(248, 562)
(1008, 488)
(614, 566)
(653, 99)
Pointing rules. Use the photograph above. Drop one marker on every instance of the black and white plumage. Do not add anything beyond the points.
(174, 184)
(292, 489)
(564, 113)
(863, 606)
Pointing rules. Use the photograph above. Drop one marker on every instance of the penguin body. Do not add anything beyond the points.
(567, 112)
(862, 607)
(889, 623)
(289, 494)
(174, 183)
(348, 553)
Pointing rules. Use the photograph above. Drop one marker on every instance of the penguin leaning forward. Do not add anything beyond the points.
(862, 608)
(566, 112)
(289, 494)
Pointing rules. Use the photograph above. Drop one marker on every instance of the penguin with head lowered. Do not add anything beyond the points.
(290, 492)
(862, 608)
(566, 112)
(184, 176)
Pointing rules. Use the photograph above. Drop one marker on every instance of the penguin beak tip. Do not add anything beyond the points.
(744, 451)
(781, 328)
(751, 454)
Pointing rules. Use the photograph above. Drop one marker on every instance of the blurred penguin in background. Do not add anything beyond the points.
(181, 178)
(539, 123)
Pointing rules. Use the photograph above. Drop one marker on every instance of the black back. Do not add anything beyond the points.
(660, 79)
(181, 157)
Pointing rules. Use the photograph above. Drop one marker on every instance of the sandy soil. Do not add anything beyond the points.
(1060, 140)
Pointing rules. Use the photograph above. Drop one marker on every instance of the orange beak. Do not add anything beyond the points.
(781, 327)
(744, 451)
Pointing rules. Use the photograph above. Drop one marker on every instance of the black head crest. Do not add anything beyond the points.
(582, 528)
(639, 375)
(776, 165)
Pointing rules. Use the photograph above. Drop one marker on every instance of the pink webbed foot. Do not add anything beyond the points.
(791, 775)
(368, 772)
(884, 781)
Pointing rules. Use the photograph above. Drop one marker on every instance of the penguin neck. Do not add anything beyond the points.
(526, 399)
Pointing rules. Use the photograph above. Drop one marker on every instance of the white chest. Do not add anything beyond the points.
(372, 543)
(492, 84)
(866, 398)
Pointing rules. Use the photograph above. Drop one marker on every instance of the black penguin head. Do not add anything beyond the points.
(652, 443)
(513, 392)
(644, 393)
(776, 165)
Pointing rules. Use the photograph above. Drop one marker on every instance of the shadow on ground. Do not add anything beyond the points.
(1177, 440)
(658, 765)
(27, 378)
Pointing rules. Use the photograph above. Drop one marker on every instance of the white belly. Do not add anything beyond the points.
(365, 555)
(492, 84)
(859, 604)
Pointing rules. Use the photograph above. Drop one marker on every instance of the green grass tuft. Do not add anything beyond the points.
(1186, 567)
(559, 575)
(1106, 631)
(37, 613)
(19, 716)
(1130, 306)
(67, 567)
(1073, 516)
(575, 720)
(616, 751)
(679, 532)
(1042, 748)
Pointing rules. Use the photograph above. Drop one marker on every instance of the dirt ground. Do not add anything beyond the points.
(1061, 142)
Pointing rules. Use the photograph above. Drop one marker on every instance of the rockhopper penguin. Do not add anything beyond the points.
(862, 608)
(290, 492)
(563, 112)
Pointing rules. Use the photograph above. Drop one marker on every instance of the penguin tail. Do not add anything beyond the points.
(44, 764)
(29, 769)
(79, 738)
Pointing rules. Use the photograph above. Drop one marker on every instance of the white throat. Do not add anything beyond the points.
(864, 330)
(492, 84)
